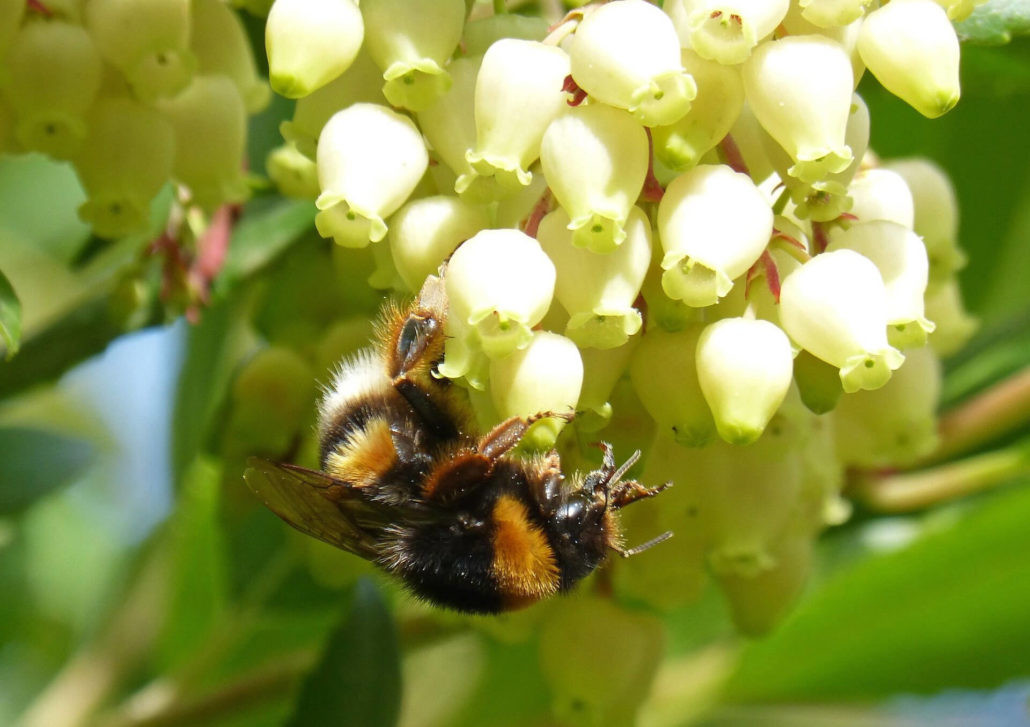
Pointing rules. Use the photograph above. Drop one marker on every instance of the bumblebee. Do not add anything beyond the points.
(408, 485)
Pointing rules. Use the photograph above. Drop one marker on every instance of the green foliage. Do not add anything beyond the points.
(357, 678)
(996, 22)
(35, 463)
(10, 317)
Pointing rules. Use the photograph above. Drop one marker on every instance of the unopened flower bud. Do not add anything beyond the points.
(293, 174)
(744, 368)
(818, 383)
(835, 307)
(912, 49)
(369, 160)
(210, 125)
(936, 213)
(53, 73)
(450, 124)
(598, 290)
(219, 43)
(627, 54)
(664, 374)
(425, 231)
(546, 375)
(880, 194)
(726, 31)
(714, 224)
(720, 97)
(896, 424)
(147, 41)
(411, 40)
(124, 162)
(602, 369)
(310, 42)
(595, 160)
(481, 33)
(959, 10)
(955, 326)
(360, 83)
(899, 255)
(500, 284)
(799, 88)
(518, 94)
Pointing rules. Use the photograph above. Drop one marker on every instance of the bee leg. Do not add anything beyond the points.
(625, 493)
(505, 436)
(434, 418)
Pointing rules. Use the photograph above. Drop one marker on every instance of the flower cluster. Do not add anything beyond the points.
(133, 94)
(667, 220)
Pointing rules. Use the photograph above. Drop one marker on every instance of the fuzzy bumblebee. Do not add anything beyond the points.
(408, 484)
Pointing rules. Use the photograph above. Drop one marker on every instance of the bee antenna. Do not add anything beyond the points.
(645, 546)
(615, 476)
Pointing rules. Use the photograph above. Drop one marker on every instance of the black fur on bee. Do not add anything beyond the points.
(408, 484)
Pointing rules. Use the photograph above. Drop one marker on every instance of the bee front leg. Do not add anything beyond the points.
(505, 436)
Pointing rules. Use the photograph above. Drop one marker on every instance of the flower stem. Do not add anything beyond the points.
(909, 491)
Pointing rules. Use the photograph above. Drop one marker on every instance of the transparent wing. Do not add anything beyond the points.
(319, 505)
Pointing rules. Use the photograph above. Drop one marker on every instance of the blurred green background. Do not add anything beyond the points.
(141, 586)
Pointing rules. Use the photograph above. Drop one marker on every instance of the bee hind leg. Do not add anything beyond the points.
(505, 436)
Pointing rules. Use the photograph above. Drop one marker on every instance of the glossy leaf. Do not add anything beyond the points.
(948, 611)
(35, 463)
(357, 678)
(996, 22)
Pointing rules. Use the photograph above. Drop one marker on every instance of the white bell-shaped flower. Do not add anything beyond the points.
(595, 160)
(727, 30)
(835, 307)
(518, 94)
(896, 424)
(880, 194)
(664, 374)
(369, 160)
(830, 197)
(125, 161)
(360, 83)
(293, 174)
(210, 123)
(832, 13)
(745, 368)
(899, 255)
(912, 49)
(955, 326)
(936, 213)
(310, 42)
(450, 124)
(147, 40)
(598, 290)
(714, 224)
(412, 40)
(627, 54)
(219, 43)
(52, 76)
(500, 284)
(425, 231)
(794, 23)
(720, 97)
(800, 89)
(545, 376)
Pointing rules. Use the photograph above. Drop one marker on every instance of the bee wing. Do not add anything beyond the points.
(317, 504)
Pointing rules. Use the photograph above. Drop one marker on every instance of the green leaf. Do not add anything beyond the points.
(996, 22)
(35, 463)
(948, 611)
(268, 226)
(10, 317)
(357, 679)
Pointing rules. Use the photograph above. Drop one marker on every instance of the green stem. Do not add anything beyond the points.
(988, 415)
(909, 491)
